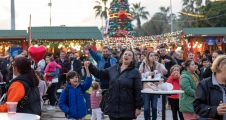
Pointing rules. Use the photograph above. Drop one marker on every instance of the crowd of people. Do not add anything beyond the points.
(116, 80)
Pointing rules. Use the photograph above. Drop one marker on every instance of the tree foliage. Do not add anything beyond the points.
(100, 9)
(215, 15)
(214, 12)
(139, 13)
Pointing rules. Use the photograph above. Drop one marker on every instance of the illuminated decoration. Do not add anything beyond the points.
(60, 46)
(219, 40)
(192, 15)
(172, 39)
(120, 21)
(195, 45)
(6, 48)
(178, 49)
(224, 39)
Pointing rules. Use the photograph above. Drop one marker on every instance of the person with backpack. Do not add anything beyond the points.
(71, 100)
(23, 89)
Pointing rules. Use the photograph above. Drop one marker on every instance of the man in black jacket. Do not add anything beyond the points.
(166, 60)
(75, 64)
(63, 62)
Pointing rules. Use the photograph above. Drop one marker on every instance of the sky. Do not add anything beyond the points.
(67, 12)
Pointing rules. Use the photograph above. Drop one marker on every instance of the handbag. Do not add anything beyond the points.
(105, 93)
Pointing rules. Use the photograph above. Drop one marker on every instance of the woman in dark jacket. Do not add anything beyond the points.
(24, 88)
(210, 99)
(125, 100)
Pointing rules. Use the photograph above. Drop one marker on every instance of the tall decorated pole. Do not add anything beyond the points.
(29, 33)
(120, 21)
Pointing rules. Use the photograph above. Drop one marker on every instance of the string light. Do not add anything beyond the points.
(193, 15)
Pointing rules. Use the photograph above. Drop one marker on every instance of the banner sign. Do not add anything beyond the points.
(210, 41)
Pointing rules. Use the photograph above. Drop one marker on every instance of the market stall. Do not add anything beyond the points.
(206, 39)
(68, 39)
(12, 40)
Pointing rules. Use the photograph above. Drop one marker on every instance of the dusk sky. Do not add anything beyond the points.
(68, 12)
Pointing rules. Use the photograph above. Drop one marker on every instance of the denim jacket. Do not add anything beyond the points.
(100, 60)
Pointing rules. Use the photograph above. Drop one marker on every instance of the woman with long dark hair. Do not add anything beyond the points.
(24, 88)
(188, 82)
(125, 100)
(148, 66)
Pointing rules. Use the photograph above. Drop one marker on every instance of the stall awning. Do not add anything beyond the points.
(208, 31)
(13, 34)
(66, 33)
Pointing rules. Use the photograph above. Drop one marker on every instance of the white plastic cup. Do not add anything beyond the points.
(12, 107)
(144, 76)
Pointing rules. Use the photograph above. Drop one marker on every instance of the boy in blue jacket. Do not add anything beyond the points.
(71, 100)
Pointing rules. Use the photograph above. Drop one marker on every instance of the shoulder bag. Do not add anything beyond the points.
(105, 93)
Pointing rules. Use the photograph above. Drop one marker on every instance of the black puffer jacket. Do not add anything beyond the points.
(207, 99)
(207, 73)
(125, 97)
(32, 104)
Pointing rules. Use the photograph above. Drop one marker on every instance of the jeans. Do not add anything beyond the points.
(159, 104)
(52, 94)
(96, 114)
(88, 103)
(154, 100)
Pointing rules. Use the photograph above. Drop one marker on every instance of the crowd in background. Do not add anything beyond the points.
(126, 100)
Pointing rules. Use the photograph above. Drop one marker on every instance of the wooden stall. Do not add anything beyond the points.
(12, 40)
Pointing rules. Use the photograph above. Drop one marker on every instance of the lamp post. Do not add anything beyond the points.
(50, 5)
(171, 16)
(12, 15)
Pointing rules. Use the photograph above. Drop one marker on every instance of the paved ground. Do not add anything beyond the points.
(59, 115)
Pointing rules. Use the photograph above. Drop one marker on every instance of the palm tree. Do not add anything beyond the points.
(101, 11)
(138, 14)
(189, 5)
(164, 13)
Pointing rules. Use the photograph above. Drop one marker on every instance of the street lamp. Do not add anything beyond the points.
(12, 15)
(50, 5)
